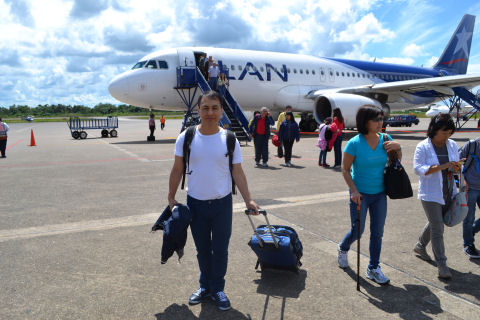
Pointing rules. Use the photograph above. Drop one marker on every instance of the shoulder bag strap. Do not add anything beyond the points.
(231, 139)
(186, 151)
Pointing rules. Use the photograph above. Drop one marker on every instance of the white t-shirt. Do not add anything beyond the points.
(210, 174)
(213, 71)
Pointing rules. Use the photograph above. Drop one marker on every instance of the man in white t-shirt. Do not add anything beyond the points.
(213, 72)
(209, 196)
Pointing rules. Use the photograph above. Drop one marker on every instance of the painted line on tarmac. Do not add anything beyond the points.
(13, 145)
(131, 154)
(149, 218)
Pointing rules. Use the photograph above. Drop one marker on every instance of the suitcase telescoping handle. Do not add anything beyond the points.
(264, 213)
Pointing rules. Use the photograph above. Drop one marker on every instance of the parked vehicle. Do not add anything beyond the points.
(403, 120)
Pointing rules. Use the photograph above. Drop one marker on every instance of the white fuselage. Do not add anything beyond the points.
(257, 79)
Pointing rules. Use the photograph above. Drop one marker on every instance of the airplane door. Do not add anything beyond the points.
(186, 58)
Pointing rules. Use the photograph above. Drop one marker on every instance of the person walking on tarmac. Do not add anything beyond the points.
(3, 137)
(209, 196)
(281, 118)
(471, 170)
(162, 122)
(260, 132)
(288, 134)
(151, 124)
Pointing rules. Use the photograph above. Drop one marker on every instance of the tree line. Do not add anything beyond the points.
(56, 110)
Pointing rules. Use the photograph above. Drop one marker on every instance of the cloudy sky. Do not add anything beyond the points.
(67, 51)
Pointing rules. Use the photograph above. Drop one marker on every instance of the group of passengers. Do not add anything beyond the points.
(216, 79)
(364, 158)
(436, 159)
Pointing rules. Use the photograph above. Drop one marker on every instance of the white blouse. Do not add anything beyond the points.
(431, 186)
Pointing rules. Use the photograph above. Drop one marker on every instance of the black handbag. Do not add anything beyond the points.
(397, 183)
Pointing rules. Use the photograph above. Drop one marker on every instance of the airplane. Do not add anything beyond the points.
(310, 84)
(435, 108)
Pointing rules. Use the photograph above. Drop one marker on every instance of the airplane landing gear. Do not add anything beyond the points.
(308, 123)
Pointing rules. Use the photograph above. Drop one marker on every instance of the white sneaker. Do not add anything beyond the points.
(342, 258)
(377, 276)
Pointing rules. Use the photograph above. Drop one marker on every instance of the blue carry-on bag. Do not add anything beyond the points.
(276, 247)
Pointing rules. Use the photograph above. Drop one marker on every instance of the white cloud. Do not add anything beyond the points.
(406, 61)
(367, 29)
(413, 50)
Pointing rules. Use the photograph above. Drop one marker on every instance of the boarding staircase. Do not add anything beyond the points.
(233, 118)
(469, 98)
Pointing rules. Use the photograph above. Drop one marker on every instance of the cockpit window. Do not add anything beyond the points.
(139, 65)
(162, 64)
(152, 64)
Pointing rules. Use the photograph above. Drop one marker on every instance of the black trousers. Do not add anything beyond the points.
(162, 125)
(152, 129)
(261, 147)
(280, 150)
(288, 145)
(3, 146)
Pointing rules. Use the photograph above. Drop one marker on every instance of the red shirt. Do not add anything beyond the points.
(261, 126)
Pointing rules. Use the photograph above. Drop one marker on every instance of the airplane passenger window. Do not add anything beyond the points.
(306, 71)
(261, 69)
(353, 74)
(337, 74)
(139, 65)
(343, 74)
(162, 64)
(152, 64)
(301, 71)
(294, 70)
(363, 75)
(358, 74)
(288, 70)
(313, 72)
(348, 74)
(240, 68)
(232, 67)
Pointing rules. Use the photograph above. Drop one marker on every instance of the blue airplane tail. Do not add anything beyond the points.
(454, 59)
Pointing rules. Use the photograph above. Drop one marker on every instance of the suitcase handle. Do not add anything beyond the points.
(260, 241)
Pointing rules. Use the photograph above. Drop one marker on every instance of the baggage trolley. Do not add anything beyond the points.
(78, 126)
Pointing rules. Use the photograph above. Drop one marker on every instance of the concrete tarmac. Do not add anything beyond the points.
(75, 242)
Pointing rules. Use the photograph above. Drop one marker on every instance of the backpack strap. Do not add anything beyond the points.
(231, 142)
(471, 156)
(189, 134)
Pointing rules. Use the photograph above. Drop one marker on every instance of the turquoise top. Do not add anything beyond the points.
(368, 165)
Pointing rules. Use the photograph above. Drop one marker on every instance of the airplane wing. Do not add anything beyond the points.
(442, 85)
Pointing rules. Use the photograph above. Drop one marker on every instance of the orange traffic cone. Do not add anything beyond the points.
(32, 139)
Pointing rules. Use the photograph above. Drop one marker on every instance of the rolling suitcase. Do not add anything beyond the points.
(150, 138)
(276, 247)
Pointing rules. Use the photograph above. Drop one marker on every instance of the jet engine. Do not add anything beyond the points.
(347, 103)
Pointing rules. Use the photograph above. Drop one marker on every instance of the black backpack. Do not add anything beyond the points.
(186, 152)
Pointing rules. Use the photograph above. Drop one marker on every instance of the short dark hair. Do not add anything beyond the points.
(366, 113)
(442, 121)
(210, 95)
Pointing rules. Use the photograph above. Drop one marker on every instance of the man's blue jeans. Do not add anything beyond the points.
(470, 227)
(377, 206)
(211, 229)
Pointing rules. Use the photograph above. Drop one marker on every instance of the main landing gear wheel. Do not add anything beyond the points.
(83, 135)
(75, 135)
(113, 133)
(104, 133)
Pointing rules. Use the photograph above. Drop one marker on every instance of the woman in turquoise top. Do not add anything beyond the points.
(364, 159)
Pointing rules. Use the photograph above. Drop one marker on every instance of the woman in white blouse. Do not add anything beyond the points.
(434, 160)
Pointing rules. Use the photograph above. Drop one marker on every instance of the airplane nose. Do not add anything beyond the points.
(118, 88)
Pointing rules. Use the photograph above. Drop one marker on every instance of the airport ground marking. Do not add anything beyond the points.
(13, 145)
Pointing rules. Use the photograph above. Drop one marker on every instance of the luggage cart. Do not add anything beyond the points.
(78, 126)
